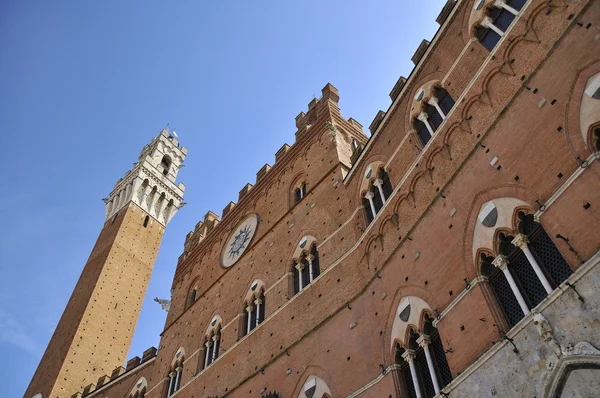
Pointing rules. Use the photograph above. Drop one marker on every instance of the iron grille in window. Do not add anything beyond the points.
(548, 255)
(408, 384)
(439, 357)
(423, 372)
(505, 297)
(526, 279)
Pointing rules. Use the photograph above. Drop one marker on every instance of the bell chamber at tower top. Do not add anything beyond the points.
(151, 184)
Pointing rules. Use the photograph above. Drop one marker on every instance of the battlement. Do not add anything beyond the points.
(326, 108)
(117, 373)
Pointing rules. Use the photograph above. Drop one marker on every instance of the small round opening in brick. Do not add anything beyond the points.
(348, 358)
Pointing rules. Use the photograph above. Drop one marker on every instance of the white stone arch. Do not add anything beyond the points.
(139, 387)
(577, 370)
(493, 215)
(178, 357)
(314, 387)
(408, 314)
(214, 326)
(589, 111)
(257, 287)
(304, 246)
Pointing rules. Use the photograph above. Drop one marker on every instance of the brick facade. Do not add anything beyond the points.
(512, 137)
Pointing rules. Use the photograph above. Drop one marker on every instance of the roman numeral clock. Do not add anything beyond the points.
(239, 240)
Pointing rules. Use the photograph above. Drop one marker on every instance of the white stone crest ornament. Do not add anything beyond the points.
(239, 240)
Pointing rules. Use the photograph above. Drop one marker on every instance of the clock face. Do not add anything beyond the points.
(239, 240)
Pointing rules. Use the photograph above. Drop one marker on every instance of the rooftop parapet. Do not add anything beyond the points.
(132, 363)
(420, 51)
(102, 380)
(149, 354)
(397, 88)
(376, 121)
(244, 191)
(88, 389)
(262, 172)
(118, 371)
(227, 209)
(282, 151)
(445, 12)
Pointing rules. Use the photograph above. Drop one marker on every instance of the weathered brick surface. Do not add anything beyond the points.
(515, 104)
(96, 328)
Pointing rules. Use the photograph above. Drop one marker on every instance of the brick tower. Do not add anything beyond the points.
(96, 328)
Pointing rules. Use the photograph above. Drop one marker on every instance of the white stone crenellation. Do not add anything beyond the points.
(151, 184)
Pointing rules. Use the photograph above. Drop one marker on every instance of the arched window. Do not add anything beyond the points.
(175, 373)
(212, 342)
(527, 269)
(300, 192)
(254, 311)
(433, 112)
(498, 18)
(423, 365)
(165, 164)
(379, 191)
(193, 295)
(306, 268)
(139, 390)
(424, 370)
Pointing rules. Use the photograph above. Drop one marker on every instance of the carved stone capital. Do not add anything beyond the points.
(409, 356)
(369, 195)
(423, 116)
(500, 262)
(378, 182)
(520, 241)
(299, 266)
(424, 341)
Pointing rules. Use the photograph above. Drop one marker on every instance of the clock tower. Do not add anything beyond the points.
(97, 325)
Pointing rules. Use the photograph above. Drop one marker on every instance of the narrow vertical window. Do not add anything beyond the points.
(146, 221)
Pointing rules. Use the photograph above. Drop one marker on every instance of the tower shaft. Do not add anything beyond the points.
(96, 328)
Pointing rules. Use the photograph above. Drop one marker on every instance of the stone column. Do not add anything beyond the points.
(369, 195)
(214, 353)
(488, 23)
(171, 383)
(258, 302)
(424, 341)
(502, 263)
(521, 242)
(409, 356)
(502, 4)
(177, 378)
(249, 311)
(434, 101)
(208, 344)
(379, 184)
(311, 274)
(300, 267)
(425, 119)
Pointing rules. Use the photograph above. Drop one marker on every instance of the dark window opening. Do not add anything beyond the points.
(445, 100)
(422, 131)
(368, 211)
(146, 221)
(300, 192)
(165, 164)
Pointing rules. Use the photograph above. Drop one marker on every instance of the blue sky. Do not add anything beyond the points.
(86, 84)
